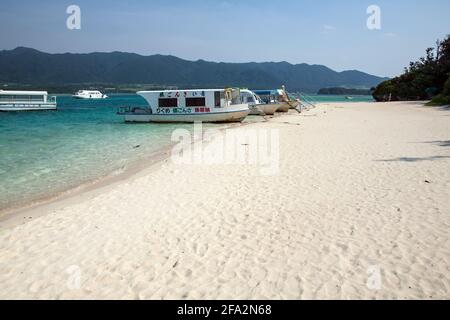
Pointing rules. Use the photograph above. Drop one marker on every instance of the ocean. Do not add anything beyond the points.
(48, 152)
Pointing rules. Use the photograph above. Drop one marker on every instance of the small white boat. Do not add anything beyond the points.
(256, 105)
(26, 101)
(89, 94)
(206, 105)
(274, 98)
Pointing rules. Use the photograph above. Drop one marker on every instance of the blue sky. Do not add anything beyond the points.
(332, 33)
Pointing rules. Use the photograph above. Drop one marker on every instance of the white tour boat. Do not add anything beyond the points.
(26, 101)
(89, 94)
(206, 105)
(256, 105)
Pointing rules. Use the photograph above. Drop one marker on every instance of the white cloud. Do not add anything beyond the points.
(326, 28)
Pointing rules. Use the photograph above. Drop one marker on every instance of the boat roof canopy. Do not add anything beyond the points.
(265, 92)
(181, 90)
(28, 93)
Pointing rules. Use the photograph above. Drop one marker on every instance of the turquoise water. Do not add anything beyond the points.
(336, 98)
(44, 153)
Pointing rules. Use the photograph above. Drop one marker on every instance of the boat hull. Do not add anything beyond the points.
(256, 110)
(264, 109)
(231, 116)
(269, 109)
(283, 107)
(89, 98)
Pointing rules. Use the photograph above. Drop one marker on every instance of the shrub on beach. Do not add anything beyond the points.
(422, 80)
(443, 98)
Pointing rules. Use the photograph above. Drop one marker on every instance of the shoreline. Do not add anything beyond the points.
(358, 210)
(25, 211)
(17, 214)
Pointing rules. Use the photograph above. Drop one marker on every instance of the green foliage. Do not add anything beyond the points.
(446, 91)
(422, 80)
(442, 99)
(439, 100)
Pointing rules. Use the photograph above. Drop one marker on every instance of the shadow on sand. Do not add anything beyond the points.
(442, 143)
(414, 159)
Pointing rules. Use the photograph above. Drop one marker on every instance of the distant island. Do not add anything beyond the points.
(426, 79)
(123, 71)
(344, 91)
(107, 88)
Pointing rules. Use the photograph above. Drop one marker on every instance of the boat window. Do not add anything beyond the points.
(250, 99)
(168, 102)
(9, 97)
(217, 96)
(263, 98)
(6, 97)
(196, 102)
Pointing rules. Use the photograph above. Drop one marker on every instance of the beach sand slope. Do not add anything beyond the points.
(359, 209)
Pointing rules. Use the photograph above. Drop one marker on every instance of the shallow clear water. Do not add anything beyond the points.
(43, 153)
(339, 98)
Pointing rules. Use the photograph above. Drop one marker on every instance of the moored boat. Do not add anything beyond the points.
(11, 100)
(206, 105)
(256, 105)
(89, 94)
(253, 102)
(274, 98)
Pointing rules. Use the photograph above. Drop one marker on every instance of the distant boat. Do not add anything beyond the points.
(349, 98)
(26, 101)
(256, 105)
(206, 105)
(89, 94)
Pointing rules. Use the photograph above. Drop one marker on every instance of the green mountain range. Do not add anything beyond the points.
(33, 67)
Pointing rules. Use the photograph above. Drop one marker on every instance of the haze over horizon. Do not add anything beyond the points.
(331, 34)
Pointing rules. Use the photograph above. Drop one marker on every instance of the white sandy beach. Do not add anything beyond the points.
(362, 188)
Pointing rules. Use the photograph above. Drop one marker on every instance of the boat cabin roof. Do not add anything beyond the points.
(28, 93)
(266, 92)
(88, 91)
(181, 90)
